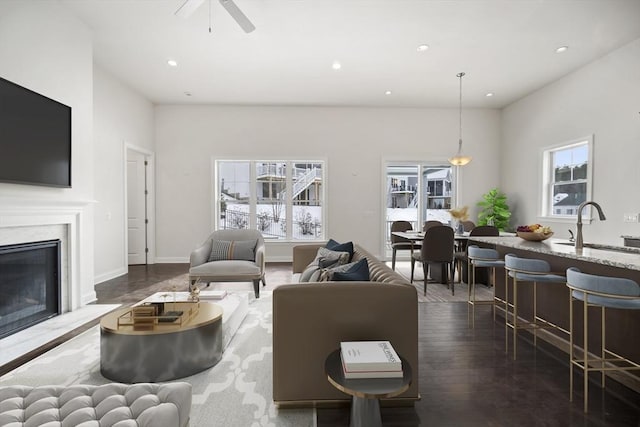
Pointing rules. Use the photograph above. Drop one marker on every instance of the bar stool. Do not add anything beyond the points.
(530, 270)
(483, 258)
(603, 292)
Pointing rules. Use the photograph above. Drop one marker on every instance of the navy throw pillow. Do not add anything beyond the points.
(340, 247)
(358, 273)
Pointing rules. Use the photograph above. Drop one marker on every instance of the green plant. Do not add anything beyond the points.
(494, 209)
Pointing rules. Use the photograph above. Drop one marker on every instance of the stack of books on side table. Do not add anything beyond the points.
(370, 359)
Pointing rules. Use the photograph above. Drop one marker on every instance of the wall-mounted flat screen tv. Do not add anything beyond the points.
(35, 138)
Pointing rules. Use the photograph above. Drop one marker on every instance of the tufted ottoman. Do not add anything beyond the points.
(118, 405)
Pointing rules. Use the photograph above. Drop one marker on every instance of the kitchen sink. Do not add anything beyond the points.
(598, 246)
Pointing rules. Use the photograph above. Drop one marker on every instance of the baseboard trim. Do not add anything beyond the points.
(183, 260)
(172, 260)
(110, 275)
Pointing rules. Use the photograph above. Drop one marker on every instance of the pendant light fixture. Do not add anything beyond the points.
(460, 159)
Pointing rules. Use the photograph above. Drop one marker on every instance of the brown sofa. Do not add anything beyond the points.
(311, 319)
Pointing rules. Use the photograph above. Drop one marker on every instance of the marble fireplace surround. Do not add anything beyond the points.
(24, 221)
(37, 221)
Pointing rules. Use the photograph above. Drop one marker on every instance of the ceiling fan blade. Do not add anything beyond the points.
(237, 14)
(187, 8)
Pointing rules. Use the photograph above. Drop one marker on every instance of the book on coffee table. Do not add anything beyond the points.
(370, 359)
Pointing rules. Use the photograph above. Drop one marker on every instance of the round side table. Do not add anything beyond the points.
(366, 392)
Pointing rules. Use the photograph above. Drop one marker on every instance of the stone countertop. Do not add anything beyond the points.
(615, 256)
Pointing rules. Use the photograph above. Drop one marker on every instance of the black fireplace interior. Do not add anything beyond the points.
(29, 284)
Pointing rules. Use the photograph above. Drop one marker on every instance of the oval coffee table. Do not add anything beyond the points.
(165, 351)
(366, 392)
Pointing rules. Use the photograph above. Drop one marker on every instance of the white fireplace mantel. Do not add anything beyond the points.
(23, 220)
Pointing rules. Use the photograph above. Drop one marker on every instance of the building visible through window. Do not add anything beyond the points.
(282, 199)
(567, 172)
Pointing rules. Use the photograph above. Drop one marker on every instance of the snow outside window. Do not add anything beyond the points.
(567, 183)
(282, 199)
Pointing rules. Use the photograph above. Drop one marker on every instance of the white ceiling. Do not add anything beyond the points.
(505, 46)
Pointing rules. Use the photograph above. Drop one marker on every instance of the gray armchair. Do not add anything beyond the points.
(230, 256)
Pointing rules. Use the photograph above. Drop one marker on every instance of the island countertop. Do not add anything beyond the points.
(615, 256)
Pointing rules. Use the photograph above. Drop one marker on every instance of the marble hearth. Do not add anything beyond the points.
(23, 221)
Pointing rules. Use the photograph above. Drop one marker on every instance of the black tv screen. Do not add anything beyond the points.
(35, 138)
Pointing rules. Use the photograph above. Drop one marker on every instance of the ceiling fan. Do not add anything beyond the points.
(190, 6)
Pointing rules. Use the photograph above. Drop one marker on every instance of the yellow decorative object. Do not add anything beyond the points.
(460, 214)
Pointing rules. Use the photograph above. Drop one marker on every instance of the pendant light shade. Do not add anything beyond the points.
(460, 159)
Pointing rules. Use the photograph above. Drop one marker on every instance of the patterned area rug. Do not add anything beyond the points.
(235, 392)
(436, 292)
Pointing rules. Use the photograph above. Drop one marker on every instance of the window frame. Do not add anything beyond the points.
(548, 180)
(420, 165)
(253, 199)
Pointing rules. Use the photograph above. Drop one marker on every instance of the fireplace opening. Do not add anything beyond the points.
(30, 284)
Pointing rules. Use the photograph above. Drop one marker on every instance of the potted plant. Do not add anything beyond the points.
(494, 209)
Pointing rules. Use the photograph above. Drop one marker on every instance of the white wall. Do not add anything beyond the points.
(121, 116)
(602, 99)
(354, 141)
(46, 49)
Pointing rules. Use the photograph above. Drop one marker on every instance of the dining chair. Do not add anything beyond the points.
(430, 223)
(437, 248)
(400, 243)
(468, 225)
(461, 254)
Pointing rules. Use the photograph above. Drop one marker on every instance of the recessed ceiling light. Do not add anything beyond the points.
(423, 47)
(388, 92)
(172, 63)
(336, 65)
(489, 94)
(562, 49)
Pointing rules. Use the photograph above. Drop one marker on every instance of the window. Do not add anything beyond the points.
(567, 183)
(282, 199)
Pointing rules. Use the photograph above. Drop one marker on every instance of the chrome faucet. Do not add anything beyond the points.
(579, 241)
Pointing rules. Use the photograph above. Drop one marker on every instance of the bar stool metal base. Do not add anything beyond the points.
(620, 294)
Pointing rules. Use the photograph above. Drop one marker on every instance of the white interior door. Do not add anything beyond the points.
(136, 208)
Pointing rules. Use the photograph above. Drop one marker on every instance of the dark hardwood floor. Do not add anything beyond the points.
(466, 379)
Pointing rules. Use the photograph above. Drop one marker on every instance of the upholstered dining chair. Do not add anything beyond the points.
(230, 256)
(400, 243)
(430, 223)
(461, 254)
(468, 225)
(437, 248)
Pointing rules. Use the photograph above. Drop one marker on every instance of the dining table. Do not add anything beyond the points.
(460, 239)
(437, 274)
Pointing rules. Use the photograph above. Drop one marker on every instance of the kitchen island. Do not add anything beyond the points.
(623, 332)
